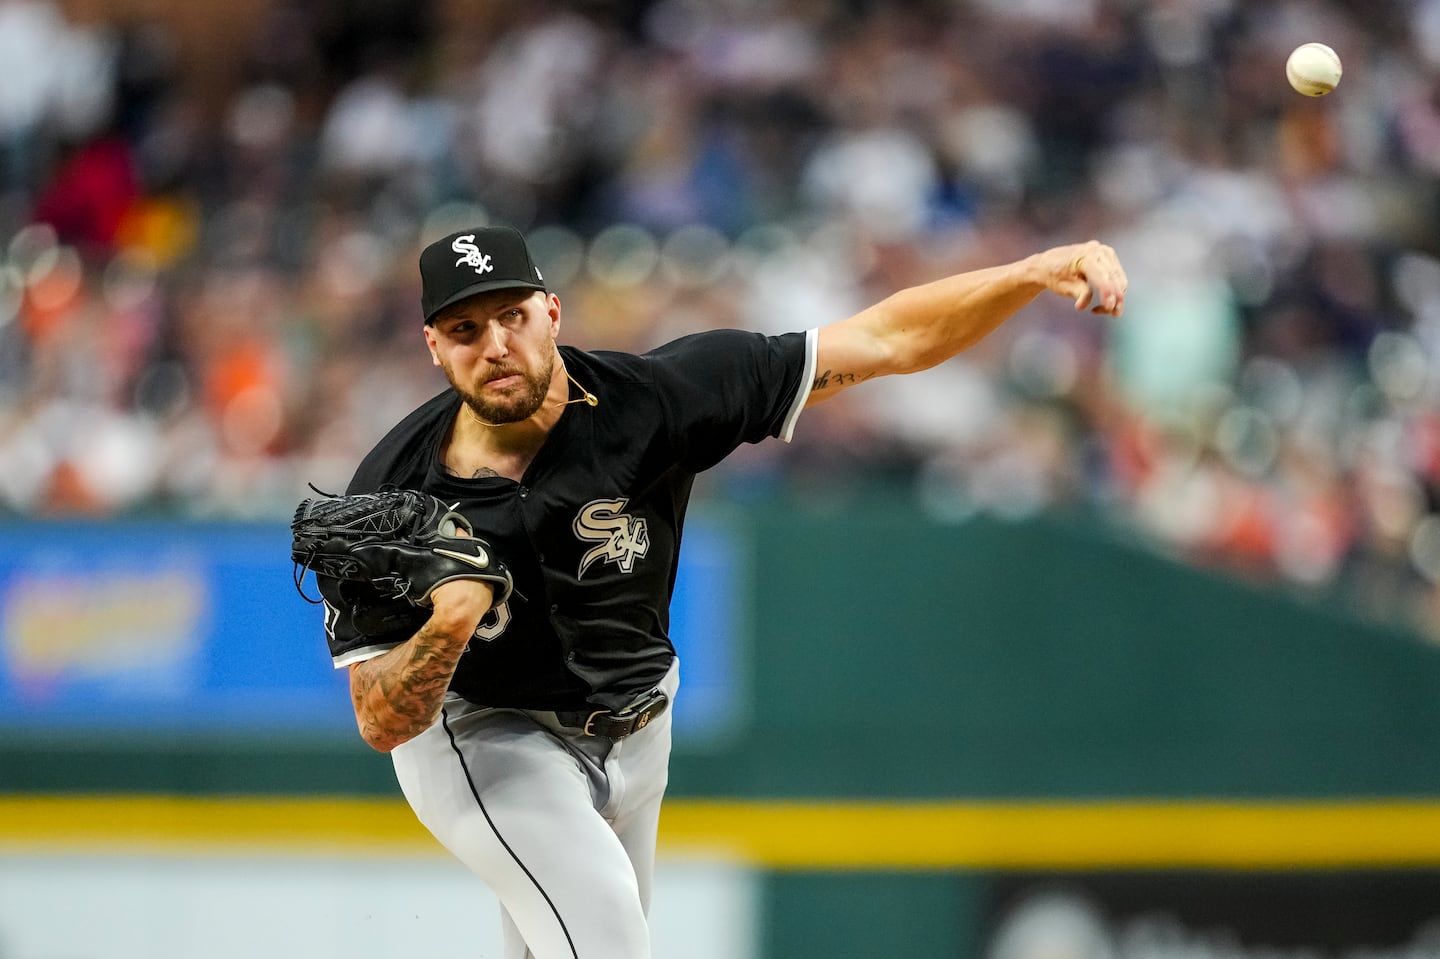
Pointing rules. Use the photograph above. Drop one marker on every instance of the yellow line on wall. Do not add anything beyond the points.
(1069, 835)
(787, 835)
(240, 824)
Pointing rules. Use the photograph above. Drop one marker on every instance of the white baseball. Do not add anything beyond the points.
(1313, 69)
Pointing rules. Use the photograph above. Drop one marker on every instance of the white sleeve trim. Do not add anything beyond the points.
(360, 655)
(807, 380)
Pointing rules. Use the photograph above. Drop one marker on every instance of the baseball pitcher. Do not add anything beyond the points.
(497, 576)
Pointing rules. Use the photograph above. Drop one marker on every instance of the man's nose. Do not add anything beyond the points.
(497, 341)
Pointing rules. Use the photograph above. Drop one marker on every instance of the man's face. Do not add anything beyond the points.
(498, 350)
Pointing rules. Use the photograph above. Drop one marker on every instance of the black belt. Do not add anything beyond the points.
(613, 725)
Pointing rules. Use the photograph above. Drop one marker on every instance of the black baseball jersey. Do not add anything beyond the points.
(592, 531)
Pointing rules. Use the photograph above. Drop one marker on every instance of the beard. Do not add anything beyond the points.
(516, 403)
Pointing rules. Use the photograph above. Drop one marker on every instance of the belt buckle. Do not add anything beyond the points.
(589, 728)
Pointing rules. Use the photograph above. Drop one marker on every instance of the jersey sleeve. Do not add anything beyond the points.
(727, 387)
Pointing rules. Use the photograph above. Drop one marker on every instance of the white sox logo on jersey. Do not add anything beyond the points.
(470, 254)
(623, 538)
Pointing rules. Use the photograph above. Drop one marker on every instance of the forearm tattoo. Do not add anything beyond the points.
(832, 378)
(398, 698)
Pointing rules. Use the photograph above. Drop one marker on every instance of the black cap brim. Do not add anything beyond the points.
(475, 289)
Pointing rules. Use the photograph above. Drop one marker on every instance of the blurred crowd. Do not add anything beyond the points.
(209, 298)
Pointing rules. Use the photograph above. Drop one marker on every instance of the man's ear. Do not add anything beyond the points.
(552, 306)
(429, 332)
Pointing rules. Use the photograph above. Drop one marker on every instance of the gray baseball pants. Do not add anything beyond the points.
(560, 825)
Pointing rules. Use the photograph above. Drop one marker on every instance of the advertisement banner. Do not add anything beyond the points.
(190, 627)
(1328, 914)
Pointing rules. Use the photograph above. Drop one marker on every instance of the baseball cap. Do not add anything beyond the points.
(474, 261)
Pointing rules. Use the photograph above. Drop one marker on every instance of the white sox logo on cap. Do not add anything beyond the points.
(470, 254)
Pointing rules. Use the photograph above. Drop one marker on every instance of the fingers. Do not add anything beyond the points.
(1094, 277)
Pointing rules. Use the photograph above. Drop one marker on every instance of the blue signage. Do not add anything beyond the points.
(183, 627)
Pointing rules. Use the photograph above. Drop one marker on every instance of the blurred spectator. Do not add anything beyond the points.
(87, 199)
(31, 75)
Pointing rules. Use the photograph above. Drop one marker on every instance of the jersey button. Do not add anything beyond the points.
(554, 607)
(524, 491)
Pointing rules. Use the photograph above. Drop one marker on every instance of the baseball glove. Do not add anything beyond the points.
(401, 542)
